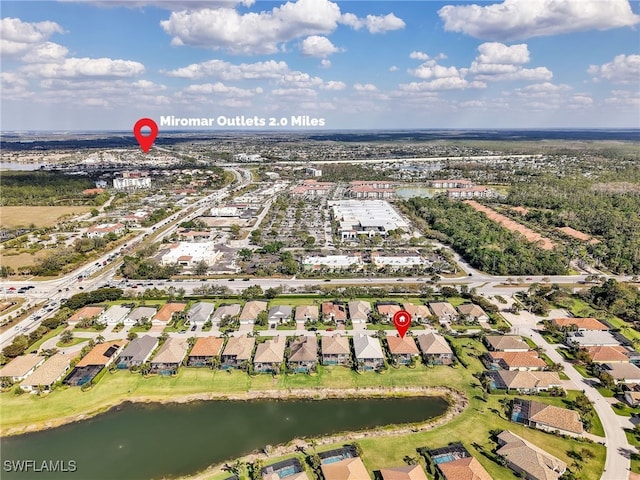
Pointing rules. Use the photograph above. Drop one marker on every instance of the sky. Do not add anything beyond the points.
(101, 65)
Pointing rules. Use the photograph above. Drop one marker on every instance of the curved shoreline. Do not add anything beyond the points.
(457, 402)
(456, 399)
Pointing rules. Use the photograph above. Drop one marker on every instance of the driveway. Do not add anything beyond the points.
(617, 463)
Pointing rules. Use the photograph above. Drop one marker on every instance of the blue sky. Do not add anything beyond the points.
(74, 65)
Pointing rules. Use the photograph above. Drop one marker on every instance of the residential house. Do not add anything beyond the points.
(304, 353)
(419, 313)
(547, 417)
(50, 372)
(632, 395)
(21, 367)
(237, 352)
(103, 354)
(623, 372)
(98, 358)
(140, 315)
(388, 310)
(444, 311)
(104, 229)
(359, 311)
(199, 313)
(85, 313)
(335, 350)
(409, 472)
(279, 314)
(226, 311)
(527, 459)
(347, 469)
(368, 352)
(402, 349)
(307, 313)
(579, 324)
(506, 343)
(269, 355)
(467, 468)
(435, 349)
(591, 338)
(204, 351)
(114, 315)
(334, 312)
(515, 360)
(166, 313)
(250, 311)
(608, 354)
(526, 382)
(473, 312)
(170, 356)
(137, 351)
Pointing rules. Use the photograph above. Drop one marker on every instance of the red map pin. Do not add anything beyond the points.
(402, 321)
(145, 141)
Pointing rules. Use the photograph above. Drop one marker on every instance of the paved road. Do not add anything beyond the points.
(617, 462)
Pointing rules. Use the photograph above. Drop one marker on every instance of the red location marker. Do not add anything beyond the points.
(402, 321)
(145, 141)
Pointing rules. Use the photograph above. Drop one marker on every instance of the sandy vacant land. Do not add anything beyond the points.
(40, 216)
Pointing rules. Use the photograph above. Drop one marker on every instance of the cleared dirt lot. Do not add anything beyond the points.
(40, 216)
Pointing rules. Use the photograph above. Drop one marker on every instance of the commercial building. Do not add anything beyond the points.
(366, 218)
(333, 262)
(105, 228)
(188, 254)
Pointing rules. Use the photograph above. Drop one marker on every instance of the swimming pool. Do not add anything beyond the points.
(287, 471)
(444, 458)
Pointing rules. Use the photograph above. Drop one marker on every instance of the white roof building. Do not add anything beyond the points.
(366, 217)
(114, 315)
(333, 261)
(188, 254)
(398, 261)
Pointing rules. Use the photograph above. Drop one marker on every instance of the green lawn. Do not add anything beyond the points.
(34, 348)
(473, 425)
(74, 341)
(634, 440)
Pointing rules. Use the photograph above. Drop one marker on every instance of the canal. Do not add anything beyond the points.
(144, 441)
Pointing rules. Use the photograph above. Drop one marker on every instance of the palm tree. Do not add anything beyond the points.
(66, 336)
(100, 339)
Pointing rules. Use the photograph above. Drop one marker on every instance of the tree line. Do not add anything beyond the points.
(484, 244)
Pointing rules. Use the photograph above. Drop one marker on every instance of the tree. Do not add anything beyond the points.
(262, 319)
(245, 254)
(132, 336)
(100, 339)
(235, 231)
(201, 268)
(66, 336)
(254, 291)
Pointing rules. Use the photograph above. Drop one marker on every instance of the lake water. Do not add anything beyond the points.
(138, 441)
(20, 166)
(410, 192)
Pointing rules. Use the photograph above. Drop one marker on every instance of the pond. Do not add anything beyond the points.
(143, 441)
(410, 192)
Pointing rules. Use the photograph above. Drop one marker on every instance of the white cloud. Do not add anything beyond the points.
(334, 85)
(318, 46)
(444, 83)
(299, 80)
(543, 88)
(519, 19)
(373, 23)
(324, 63)
(47, 52)
(294, 92)
(624, 98)
(623, 69)
(393, 68)
(80, 68)
(367, 87)
(499, 62)
(220, 88)
(494, 52)
(228, 71)
(18, 37)
(252, 33)
(430, 69)
(415, 55)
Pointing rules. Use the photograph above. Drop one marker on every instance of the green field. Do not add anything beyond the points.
(472, 427)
